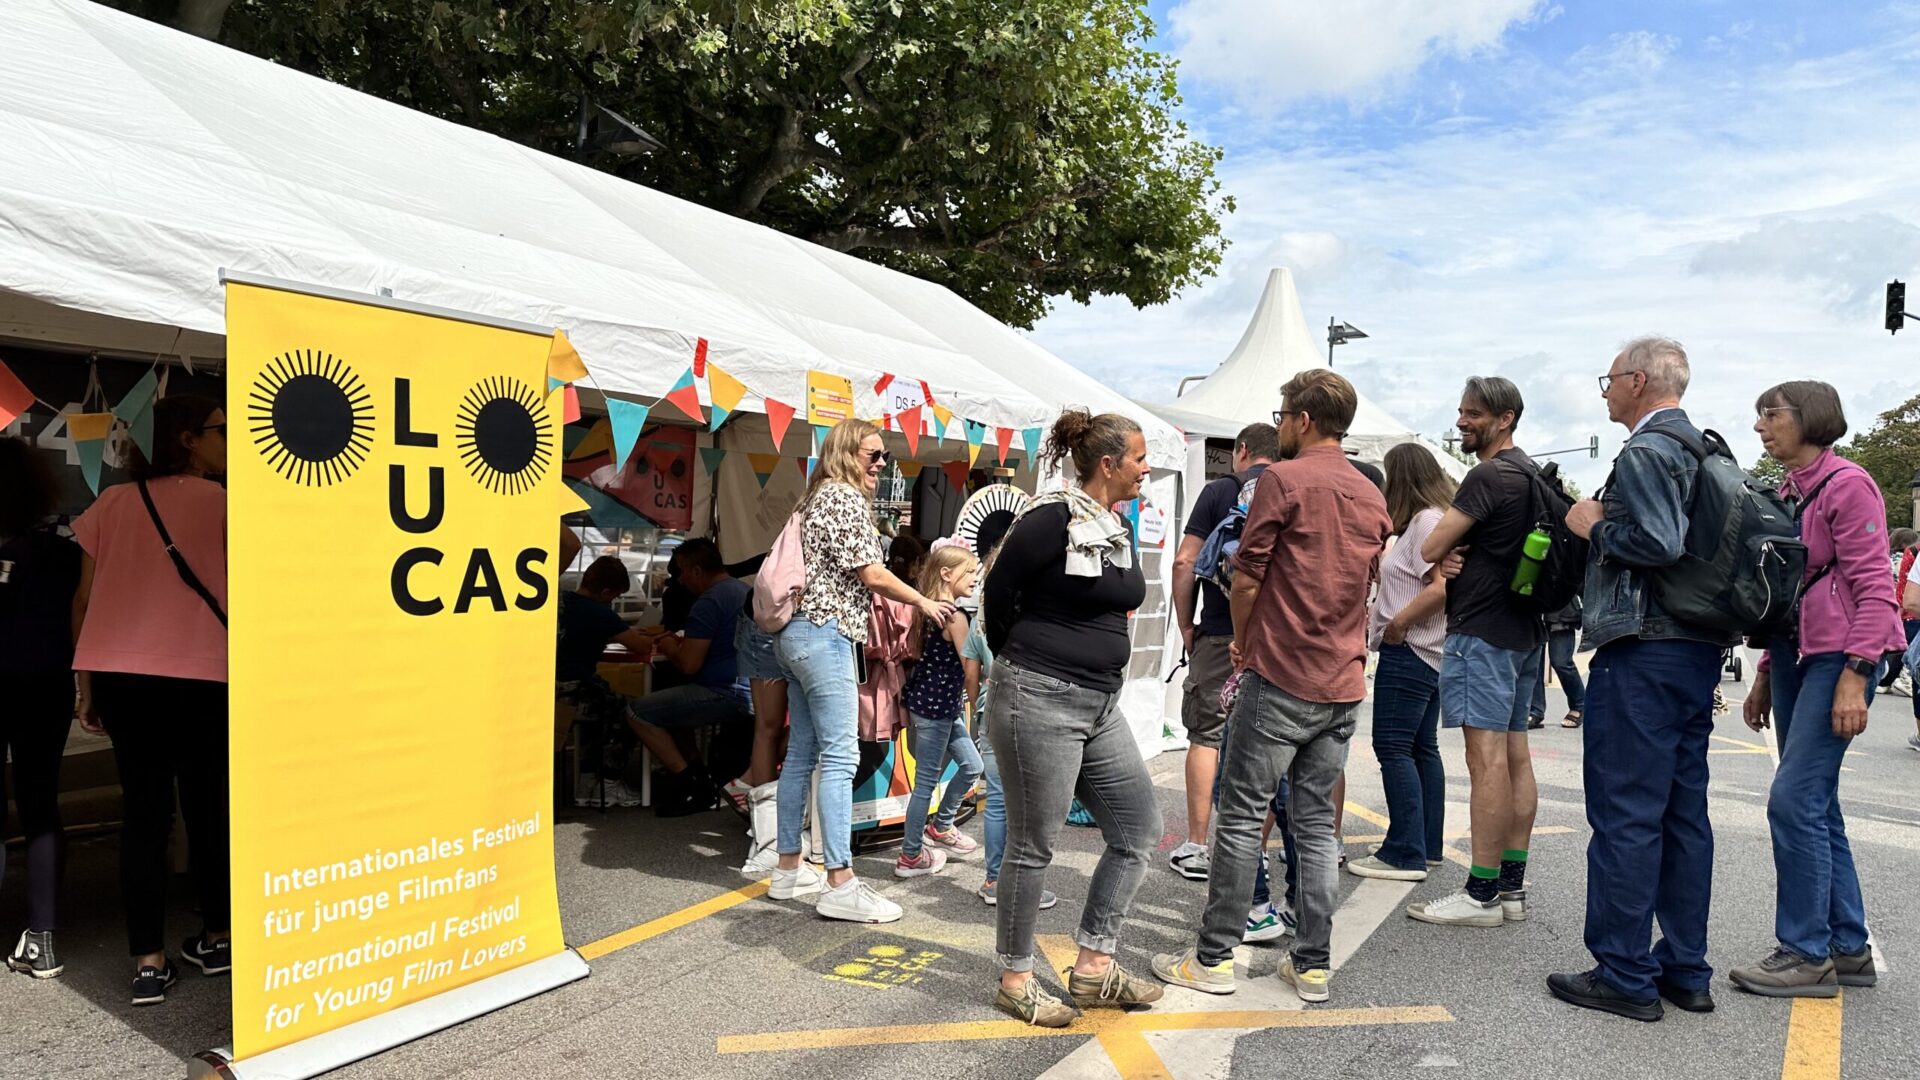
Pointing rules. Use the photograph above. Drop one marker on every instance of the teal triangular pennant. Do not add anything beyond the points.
(138, 398)
(719, 417)
(627, 419)
(1031, 436)
(89, 451)
(140, 429)
(712, 456)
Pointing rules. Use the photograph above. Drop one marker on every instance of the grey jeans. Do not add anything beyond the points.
(1055, 740)
(1275, 735)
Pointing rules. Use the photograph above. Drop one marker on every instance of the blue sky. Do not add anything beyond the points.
(1518, 186)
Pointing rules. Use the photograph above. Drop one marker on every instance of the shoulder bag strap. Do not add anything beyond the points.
(186, 572)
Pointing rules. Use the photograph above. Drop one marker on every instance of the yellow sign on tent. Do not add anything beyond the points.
(394, 483)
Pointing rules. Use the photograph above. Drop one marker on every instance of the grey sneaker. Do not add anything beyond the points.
(1913, 742)
(1513, 905)
(34, 955)
(1037, 1007)
(990, 892)
(1372, 867)
(1309, 983)
(1855, 970)
(1191, 861)
(1786, 974)
(1185, 969)
(1114, 988)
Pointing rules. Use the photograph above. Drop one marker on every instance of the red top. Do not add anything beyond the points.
(141, 617)
(1313, 539)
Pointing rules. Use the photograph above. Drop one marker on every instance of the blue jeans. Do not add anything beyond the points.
(995, 812)
(1817, 905)
(1485, 686)
(1406, 739)
(823, 717)
(1560, 649)
(935, 742)
(1649, 715)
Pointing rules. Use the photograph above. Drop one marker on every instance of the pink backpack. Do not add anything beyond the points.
(782, 577)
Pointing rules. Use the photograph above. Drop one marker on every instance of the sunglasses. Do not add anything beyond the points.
(879, 457)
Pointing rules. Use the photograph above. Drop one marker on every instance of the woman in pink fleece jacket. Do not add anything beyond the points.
(1818, 690)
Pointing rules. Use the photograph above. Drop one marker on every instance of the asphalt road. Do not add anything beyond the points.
(765, 989)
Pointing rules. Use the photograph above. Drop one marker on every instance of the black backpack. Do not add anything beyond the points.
(1564, 571)
(1743, 563)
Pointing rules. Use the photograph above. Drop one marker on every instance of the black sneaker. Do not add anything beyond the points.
(151, 984)
(211, 957)
(685, 793)
(34, 955)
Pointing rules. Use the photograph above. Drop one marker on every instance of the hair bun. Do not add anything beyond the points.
(1072, 429)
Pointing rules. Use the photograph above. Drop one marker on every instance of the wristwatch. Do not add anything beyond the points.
(1866, 669)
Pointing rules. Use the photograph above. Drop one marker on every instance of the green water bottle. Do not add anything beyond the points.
(1533, 555)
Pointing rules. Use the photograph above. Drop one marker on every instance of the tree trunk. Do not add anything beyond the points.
(202, 18)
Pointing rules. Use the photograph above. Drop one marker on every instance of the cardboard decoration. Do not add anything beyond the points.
(380, 891)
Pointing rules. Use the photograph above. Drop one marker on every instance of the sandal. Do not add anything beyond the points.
(1572, 721)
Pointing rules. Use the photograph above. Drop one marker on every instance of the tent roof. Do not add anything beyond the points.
(142, 161)
(1245, 388)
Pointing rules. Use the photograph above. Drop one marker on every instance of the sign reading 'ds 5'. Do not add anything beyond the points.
(392, 521)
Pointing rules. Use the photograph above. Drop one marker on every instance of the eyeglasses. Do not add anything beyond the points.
(221, 428)
(1280, 415)
(1768, 412)
(1606, 381)
(879, 457)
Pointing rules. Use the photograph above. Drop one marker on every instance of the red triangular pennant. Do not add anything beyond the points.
(957, 472)
(779, 415)
(1003, 437)
(910, 427)
(685, 396)
(880, 387)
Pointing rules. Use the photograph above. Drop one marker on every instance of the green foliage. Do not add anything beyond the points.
(1013, 150)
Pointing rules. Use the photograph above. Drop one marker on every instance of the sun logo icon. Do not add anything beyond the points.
(501, 433)
(310, 417)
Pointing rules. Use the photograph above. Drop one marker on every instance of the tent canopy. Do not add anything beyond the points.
(1245, 388)
(141, 161)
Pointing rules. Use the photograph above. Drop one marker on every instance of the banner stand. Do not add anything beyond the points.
(342, 1046)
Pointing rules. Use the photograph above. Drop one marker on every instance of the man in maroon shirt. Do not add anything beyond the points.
(1309, 553)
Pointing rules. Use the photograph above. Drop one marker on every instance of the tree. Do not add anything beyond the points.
(1013, 150)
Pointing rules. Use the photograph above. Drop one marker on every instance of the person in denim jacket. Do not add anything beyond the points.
(1649, 712)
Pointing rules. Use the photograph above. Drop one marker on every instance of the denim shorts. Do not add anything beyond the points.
(754, 648)
(1485, 686)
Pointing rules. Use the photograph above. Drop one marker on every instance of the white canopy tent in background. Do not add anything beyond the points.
(1245, 388)
(140, 162)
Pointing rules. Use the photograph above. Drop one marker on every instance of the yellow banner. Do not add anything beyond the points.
(393, 482)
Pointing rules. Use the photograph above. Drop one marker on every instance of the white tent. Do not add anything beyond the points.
(140, 162)
(1245, 388)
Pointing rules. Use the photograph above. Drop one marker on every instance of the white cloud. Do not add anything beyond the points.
(1753, 214)
(1270, 52)
(1636, 54)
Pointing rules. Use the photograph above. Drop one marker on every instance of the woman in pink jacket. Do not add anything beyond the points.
(1818, 689)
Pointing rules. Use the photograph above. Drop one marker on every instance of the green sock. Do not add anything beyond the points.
(1513, 870)
(1483, 883)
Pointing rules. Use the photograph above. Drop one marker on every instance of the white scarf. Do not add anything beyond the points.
(1095, 537)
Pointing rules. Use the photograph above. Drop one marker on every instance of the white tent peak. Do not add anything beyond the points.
(1276, 346)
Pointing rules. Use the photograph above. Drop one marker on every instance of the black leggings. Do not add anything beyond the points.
(167, 730)
(34, 719)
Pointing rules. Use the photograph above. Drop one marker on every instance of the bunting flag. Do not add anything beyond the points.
(881, 384)
(15, 398)
(779, 417)
(973, 454)
(570, 500)
(911, 469)
(1003, 437)
(563, 360)
(554, 384)
(806, 467)
(140, 429)
(138, 398)
(910, 427)
(942, 416)
(976, 434)
(957, 472)
(711, 457)
(726, 392)
(1031, 436)
(89, 434)
(570, 404)
(763, 466)
(685, 396)
(699, 358)
(626, 419)
(820, 436)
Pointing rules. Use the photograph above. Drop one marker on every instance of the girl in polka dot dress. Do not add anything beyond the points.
(934, 700)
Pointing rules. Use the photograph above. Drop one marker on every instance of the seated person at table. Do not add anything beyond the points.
(587, 624)
(704, 652)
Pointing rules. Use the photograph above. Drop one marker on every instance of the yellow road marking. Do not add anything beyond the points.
(1813, 1040)
(1095, 1023)
(1132, 1057)
(1380, 838)
(674, 921)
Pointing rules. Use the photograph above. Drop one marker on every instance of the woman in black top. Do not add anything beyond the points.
(1056, 605)
(39, 571)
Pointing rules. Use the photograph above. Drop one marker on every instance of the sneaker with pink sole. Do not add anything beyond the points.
(929, 861)
(953, 840)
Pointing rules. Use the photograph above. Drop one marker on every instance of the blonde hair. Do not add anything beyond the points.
(954, 557)
(840, 457)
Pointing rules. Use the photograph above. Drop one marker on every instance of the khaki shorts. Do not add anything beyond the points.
(1207, 669)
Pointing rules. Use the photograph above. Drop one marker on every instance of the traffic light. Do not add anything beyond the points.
(1896, 306)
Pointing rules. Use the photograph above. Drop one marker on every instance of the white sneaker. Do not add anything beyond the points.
(1514, 906)
(803, 880)
(1458, 909)
(856, 901)
(1190, 861)
(1372, 867)
(589, 793)
(1267, 922)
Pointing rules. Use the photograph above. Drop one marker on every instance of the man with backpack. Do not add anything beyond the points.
(1492, 654)
(1650, 698)
(1208, 641)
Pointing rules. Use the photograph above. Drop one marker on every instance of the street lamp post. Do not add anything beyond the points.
(1339, 333)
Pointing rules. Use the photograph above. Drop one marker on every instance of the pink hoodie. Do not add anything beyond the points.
(1852, 609)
